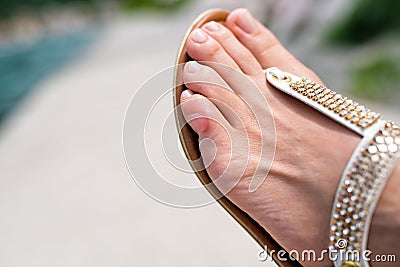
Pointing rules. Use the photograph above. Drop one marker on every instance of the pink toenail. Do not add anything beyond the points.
(186, 94)
(212, 26)
(246, 22)
(199, 36)
(193, 66)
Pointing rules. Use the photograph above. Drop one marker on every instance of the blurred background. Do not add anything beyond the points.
(68, 69)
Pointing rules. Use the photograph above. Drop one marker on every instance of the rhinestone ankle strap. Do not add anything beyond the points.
(366, 173)
(359, 190)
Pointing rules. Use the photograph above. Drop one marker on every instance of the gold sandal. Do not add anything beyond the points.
(189, 140)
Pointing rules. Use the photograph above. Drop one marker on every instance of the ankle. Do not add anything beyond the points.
(388, 208)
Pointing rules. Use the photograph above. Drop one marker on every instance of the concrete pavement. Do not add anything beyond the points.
(66, 197)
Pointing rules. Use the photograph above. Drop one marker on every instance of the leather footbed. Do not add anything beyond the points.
(189, 140)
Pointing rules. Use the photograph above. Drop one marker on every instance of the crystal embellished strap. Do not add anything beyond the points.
(337, 107)
(366, 173)
(361, 185)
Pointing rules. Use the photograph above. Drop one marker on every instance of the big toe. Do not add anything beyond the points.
(213, 129)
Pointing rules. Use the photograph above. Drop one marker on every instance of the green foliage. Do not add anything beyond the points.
(153, 4)
(9, 7)
(367, 20)
(378, 79)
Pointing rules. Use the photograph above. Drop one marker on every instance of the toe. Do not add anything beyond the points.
(202, 47)
(206, 81)
(235, 49)
(196, 74)
(215, 134)
(264, 45)
(205, 49)
(203, 116)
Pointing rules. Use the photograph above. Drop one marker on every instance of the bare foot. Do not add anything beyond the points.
(294, 203)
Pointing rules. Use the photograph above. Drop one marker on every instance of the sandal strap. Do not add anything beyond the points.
(359, 190)
(345, 111)
(366, 173)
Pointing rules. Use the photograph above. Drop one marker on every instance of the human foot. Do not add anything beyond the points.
(311, 150)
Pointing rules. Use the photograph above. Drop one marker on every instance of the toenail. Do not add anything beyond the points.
(199, 36)
(212, 26)
(246, 22)
(186, 94)
(193, 66)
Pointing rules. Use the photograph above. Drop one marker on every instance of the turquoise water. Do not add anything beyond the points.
(23, 65)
